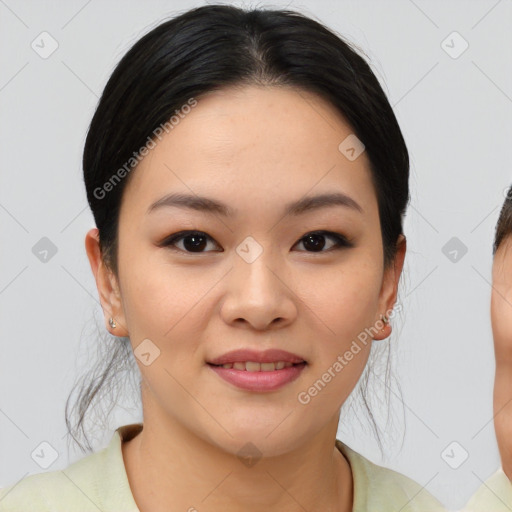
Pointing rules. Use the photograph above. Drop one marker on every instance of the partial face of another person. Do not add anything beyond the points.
(307, 281)
(501, 318)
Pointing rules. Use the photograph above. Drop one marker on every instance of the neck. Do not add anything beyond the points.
(167, 463)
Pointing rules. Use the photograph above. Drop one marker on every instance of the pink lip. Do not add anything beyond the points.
(267, 356)
(259, 381)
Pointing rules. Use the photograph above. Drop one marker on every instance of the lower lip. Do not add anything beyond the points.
(259, 381)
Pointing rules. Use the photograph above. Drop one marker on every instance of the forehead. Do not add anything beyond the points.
(254, 143)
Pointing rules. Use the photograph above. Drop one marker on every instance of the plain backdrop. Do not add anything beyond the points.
(446, 67)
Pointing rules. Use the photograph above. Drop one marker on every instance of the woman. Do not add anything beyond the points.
(248, 180)
(496, 493)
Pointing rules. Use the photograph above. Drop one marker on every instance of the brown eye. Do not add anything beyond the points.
(197, 241)
(193, 241)
(315, 241)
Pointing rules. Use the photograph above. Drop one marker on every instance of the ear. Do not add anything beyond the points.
(389, 290)
(106, 282)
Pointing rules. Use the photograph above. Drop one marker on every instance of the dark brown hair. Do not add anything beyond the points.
(504, 224)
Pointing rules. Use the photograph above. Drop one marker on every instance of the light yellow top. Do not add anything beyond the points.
(98, 482)
(494, 495)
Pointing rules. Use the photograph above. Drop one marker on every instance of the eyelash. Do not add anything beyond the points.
(341, 241)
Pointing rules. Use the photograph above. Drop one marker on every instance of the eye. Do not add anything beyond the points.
(193, 241)
(197, 241)
(316, 241)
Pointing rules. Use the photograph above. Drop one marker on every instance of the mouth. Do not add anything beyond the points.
(253, 366)
(256, 370)
(258, 377)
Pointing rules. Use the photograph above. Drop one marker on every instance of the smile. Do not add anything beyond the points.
(252, 366)
(258, 377)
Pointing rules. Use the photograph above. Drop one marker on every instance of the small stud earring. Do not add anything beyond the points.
(385, 319)
(112, 323)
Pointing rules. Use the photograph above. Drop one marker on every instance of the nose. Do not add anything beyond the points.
(259, 295)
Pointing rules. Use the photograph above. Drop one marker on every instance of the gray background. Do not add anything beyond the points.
(456, 116)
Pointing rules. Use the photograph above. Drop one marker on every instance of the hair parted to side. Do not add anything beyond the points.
(504, 224)
(216, 46)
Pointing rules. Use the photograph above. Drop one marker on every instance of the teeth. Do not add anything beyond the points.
(254, 367)
(251, 366)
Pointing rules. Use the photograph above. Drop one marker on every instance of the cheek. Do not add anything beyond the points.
(165, 303)
(501, 319)
(344, 306)
(345, 300)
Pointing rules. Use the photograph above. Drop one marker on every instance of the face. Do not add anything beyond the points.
(195, 283)
(501, 318)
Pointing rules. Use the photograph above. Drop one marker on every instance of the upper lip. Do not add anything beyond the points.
(266, 356)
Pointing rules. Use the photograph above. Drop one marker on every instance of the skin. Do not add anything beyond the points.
(255, 149)
(501, 320)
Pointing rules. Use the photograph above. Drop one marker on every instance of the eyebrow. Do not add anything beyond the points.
(208, 205)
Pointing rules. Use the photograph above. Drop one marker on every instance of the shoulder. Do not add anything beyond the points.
(96, 482)
(44, 491)
(494, 494)
(383, 489)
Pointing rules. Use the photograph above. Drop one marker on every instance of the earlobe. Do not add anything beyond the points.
(106, 283)
(386, 329)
